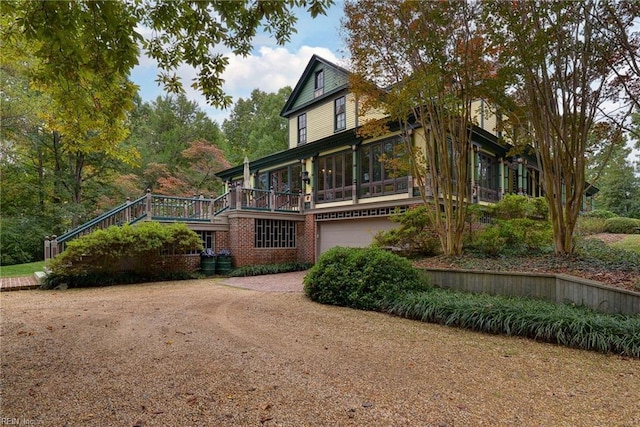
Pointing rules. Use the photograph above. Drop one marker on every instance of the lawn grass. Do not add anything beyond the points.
(629, 243)
(21, 269)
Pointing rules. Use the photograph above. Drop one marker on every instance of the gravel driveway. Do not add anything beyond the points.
(199, 353)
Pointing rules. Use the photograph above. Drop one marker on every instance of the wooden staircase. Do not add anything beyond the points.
(152, 207)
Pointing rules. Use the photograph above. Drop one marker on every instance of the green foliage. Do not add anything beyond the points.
(598, 254)
(260, 269)
(255, 127)
(516, 236)
(589, 225)
(94, 279)
(81, 38)
(599, 213)
(128, 250)
(514, 206)
(566, 325)
(490, 241)
(18, 270)
(21, 240)
(629, 243)
(363, 278)
(621, 225)
(414, 236)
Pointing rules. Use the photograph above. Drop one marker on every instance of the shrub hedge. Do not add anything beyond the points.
(125, 254)
(374, 280)
(414, 236)
(260, 269)
(622, 225)
(361, 278)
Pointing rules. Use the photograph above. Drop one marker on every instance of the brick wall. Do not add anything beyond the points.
(241, 238)
(307, 239)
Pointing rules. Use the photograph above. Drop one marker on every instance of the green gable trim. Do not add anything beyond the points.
(336, 79)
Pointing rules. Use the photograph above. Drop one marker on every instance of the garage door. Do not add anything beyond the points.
(356, 232)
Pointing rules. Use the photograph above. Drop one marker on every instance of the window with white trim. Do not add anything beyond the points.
(340, 114)
(302, 129)
(318, 84)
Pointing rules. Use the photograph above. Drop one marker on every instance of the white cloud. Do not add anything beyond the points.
(271, 69)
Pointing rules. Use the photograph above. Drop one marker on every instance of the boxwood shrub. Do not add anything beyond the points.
(622, 225)
(363, 278)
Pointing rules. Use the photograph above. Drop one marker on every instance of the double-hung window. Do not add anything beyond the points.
(340, 114)
(318, 84)
(302, 129)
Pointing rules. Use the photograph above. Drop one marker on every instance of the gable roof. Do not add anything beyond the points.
(336, 80)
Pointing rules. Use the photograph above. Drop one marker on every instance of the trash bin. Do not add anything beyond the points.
(208, 265)
(223, 265)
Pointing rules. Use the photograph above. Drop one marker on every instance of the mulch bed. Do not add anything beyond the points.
(574, 266)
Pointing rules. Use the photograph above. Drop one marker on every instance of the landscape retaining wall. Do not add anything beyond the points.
(558, 288)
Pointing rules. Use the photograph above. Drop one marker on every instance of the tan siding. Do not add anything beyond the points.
(293, 132)
(320, 121)
(482, 114)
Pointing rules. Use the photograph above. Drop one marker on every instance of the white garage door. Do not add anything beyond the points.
(357, 232)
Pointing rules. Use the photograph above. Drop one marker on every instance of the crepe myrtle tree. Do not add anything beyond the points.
(418, 76)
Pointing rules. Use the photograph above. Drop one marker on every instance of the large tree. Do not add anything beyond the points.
(563, 63)
(429, 73)
(255, 128)
(77, 37)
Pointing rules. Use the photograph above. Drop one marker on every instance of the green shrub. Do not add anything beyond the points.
(414, 236)
(599, 213)
(515, 236)
(362, 278)
(587, 225)
(622, 225)
(490, 242)
(260, 269)
(513, 206)
(121, 252)
(540, 320)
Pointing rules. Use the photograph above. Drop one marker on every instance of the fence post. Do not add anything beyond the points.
(47, 248)
(54, 246)
(238, 196)
(148, 204)
(272, 199)
(127, 211)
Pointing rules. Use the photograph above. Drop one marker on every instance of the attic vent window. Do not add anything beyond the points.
(318, 84)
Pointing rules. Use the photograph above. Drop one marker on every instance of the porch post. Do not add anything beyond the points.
(148, 204)
(272, 199)
(500, 178)
(354, 172)
(520, 176)
(474, 174)
(127, 211)
(47, 248)
(524, 178)
(54, 246)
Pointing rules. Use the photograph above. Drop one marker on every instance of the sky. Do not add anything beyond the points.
(269, 68)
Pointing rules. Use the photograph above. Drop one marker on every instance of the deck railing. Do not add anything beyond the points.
(178, 209)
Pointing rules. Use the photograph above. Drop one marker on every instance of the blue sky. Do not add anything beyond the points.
(268, 68)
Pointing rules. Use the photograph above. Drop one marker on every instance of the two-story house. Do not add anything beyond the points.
(347, 192)
(329, 188)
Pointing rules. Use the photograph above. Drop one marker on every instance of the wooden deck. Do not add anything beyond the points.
(18, 283)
